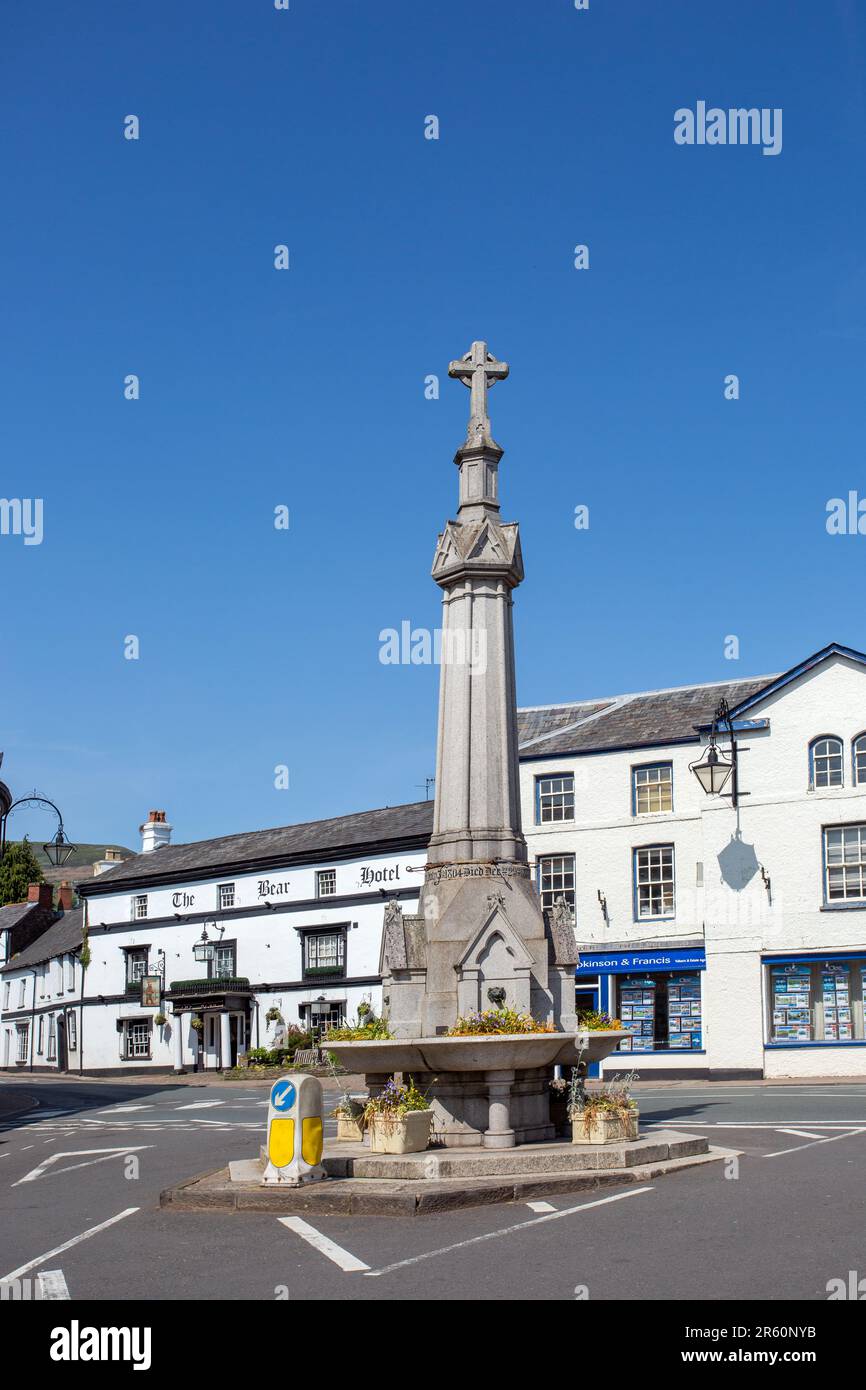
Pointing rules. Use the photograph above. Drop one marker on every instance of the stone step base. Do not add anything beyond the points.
(238, 1188)
(438, 1165)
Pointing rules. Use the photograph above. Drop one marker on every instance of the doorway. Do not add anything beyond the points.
(237, 1037)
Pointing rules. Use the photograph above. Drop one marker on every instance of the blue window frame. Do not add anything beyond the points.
(653, 882)
(825, 762)
(554, 797)
(652, 789)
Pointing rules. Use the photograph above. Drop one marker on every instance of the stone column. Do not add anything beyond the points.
(179, 1025)
(225, 1040)
(499, 1134)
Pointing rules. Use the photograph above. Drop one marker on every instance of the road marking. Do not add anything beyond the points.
(797, 1147)
(540, 1206)
(800, 1133)
(200, 1105)
(67, 1245)
(348, 1263)
(106, 1154)
(762, 1124)
(52, 1285)
(124, 1109)
(507, 1231)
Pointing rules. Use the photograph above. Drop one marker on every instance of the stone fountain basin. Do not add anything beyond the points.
(497, 1052)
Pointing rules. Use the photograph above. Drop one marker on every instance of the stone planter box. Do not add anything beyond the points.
(605, 1129)
(350, 1128)
(408, 1135)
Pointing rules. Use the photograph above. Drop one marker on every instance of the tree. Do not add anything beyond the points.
(19, 868)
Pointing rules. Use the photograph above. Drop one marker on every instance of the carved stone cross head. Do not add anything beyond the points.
(478, 369)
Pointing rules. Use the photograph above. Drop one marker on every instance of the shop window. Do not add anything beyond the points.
(662, 1012)
(652, 789)
(554, 798)
(654, 881)
(816, 1001)
(556, 879)
(845, 863)
(825, 762)
(324, 953)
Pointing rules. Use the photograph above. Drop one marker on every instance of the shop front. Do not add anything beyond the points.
(657, 994)
(814, 1017)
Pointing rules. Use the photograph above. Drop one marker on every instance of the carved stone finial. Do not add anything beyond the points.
(478, 369)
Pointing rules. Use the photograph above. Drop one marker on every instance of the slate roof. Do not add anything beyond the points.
(643, 720)
(646, 719)
(367, 831)
(65, 935)
(14, 913)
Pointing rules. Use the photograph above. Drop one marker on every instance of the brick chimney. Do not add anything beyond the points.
(155, 832)
(41, 893)
(64, 896)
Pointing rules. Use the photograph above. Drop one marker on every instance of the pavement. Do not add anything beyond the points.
(81, 1174)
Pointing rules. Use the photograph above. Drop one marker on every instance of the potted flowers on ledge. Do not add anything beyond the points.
(349, 1114)
(493, 1021)
(606, 1116)
(399, 1118)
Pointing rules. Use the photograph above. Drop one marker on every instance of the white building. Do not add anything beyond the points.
(732, 942)
(292, 919)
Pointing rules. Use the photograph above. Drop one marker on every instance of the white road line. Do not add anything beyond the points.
(800, 1133)
(541, 1206)
(124, 1109)
(348, 1263)
(106, 1154)
(67, 1245)
(762, 1124)
(52, 1285)
(831, 1140)
(200, 1105)
(507, 1231)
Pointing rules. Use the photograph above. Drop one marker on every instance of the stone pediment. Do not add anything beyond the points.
(496, 924)
(482, 545)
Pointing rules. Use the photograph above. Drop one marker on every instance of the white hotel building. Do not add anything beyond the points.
(731, 941)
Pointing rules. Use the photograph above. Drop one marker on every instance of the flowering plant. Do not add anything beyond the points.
(502, 1020)
(614, 1098)
(393, 1102)
(368, 1028)
(592, 1021)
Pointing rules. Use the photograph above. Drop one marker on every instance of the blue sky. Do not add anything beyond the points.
(306, 387)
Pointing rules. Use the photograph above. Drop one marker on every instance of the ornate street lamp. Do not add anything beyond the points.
(204, 948)
(58, 849)
(714, 771)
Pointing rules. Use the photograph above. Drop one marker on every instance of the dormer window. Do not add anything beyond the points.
(825, 762)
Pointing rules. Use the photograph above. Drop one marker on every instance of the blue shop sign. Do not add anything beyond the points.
(627, 963)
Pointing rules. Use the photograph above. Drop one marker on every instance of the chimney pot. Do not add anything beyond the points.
(155, 832)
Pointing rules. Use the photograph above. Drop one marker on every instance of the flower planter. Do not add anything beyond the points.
(406, 1134)
(350, 1128)
(604, 1129)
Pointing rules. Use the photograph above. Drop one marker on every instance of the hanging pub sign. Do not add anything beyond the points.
(151, 991)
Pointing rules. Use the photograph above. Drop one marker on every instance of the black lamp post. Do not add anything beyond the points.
(713, 772)
(58, 849)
